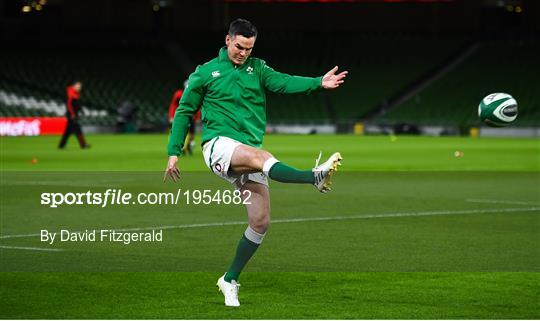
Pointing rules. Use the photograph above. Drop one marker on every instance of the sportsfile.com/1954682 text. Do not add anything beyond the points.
(113, 197)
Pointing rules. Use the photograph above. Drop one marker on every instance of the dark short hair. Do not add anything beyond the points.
(242, 27)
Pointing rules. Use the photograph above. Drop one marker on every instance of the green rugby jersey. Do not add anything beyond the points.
(232, 99)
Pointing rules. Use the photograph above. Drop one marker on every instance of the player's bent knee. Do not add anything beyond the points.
(250, 157)
(260, 158)
(265, 155)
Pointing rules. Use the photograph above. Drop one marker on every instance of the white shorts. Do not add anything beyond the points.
(217, 155)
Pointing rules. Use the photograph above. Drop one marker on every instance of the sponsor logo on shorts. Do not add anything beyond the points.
(218, 168)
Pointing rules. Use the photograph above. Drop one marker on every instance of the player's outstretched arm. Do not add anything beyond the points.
(172, 171)
(330, 80)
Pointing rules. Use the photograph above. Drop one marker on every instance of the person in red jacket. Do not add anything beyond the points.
(190, 138)
(73, 107)
(174, 104)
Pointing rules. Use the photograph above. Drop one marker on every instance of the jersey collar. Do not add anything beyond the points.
(223, 56)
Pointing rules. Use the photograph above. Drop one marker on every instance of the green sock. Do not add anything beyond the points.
(286, 174)
(244, 251)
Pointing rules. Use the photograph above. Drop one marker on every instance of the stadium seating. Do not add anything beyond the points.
(503, 66)
(379, 66)
(144, 76)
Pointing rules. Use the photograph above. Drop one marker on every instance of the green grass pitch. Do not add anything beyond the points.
(409, 231)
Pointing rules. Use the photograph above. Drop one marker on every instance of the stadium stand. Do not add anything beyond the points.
(379, 65)
(501, 66)
(144, 76)
(147, 75)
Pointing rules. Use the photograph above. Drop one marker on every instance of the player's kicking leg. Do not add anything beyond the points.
(258, 211)
(247, 158)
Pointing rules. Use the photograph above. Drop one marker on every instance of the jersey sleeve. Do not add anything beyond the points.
(189, 104)
(279, 82)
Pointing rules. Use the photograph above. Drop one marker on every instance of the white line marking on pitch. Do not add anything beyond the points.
(312, 219)
(56, 183)
(477, 200)
(29, 248)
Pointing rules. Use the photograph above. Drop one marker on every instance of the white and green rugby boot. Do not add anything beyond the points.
(323, 173)
(230, 291)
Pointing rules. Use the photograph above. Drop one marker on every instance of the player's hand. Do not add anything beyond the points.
(172, 171)
(330, 80)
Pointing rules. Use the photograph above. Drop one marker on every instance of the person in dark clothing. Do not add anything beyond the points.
(125, 121)
(73, 107)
